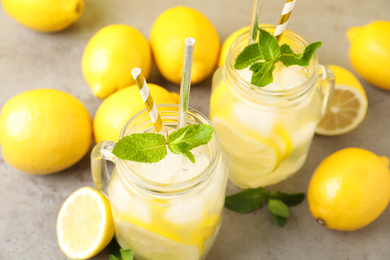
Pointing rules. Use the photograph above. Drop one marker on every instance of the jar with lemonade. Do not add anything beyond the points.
(266, 131)
(170, 209)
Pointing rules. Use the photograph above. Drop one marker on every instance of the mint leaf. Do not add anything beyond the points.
(114, 248)
(263, 76)
(255, 67)
(152, 147)
(268, 46)
(250, 54)
(261, 57)
(277, 207)
(291, 199)
(126, 254)
(186, 138)
(145, 148)
(246, 200)
(288, 57)
(281, 221)
(251, 199)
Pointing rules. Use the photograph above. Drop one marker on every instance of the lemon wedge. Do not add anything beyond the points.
(347, 107)
(85, 225)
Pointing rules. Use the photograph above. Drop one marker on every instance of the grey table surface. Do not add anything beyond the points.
(29, 60)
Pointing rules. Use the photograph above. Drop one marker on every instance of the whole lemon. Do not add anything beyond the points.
(370, 52)
(349, 189)
(44, 131)
(167, 37)
(114, 112)
(44, 15)
(111, 54)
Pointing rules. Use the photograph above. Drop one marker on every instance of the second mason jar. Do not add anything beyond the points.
(266, 132)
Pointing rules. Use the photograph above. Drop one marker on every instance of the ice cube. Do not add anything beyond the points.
(162, 171)
(245, 74)
(189, 169)
(119, 196)
(289, 77)
(141, 210)
(261, 121)
(126, 203)
(185, 213)
(304, 134)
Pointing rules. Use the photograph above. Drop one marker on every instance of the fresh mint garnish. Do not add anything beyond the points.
(125, 254)
(263, 55)
(145, 148)
(117, 253)
(152, 147)
(278, 202)
(185, 139)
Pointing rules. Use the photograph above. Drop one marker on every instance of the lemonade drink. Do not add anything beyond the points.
(266, 132)
(170, 209)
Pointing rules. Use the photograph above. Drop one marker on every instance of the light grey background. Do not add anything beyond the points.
(30, 60)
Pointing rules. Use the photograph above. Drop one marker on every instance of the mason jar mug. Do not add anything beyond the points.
(266, 132)
(157, 215)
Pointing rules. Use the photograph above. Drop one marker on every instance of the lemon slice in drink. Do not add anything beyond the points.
(248, 151)
(347, 107)
(84, 225)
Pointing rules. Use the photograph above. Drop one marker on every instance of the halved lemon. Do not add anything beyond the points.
(85, 225)
(347, 107)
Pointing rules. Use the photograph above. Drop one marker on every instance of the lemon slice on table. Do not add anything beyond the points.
(85, 225)
(347, 107)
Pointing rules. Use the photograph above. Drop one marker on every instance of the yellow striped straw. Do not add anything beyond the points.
(149, 103)
(287, 9)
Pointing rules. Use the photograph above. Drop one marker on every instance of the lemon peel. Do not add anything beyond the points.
(349, 189)
(44, 15)
(109, 56)
(167, 36)
(44, 131)
(370, 52)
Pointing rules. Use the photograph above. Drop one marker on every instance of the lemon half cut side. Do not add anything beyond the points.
(85, 224)
(347, 107)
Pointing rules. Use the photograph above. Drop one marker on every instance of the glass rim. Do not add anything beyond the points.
(289, 93)
(170, 188)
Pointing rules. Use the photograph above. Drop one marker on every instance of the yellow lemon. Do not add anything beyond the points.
(370, 52)
(347, 107)
(349, 189)
(85, 225)
(114, 112)
(111, 54)
(44, 15)
(167, 37)
(228, 42)
(44, 131)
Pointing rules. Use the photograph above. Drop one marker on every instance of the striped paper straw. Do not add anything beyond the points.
(149, 103)
(287, 9)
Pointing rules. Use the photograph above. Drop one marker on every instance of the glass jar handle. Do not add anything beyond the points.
(326, 82)
(99, 156)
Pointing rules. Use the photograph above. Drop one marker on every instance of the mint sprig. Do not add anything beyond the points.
(252, 199)
(262, 56)
(125, 254)
(118, 253)
(152, 147)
